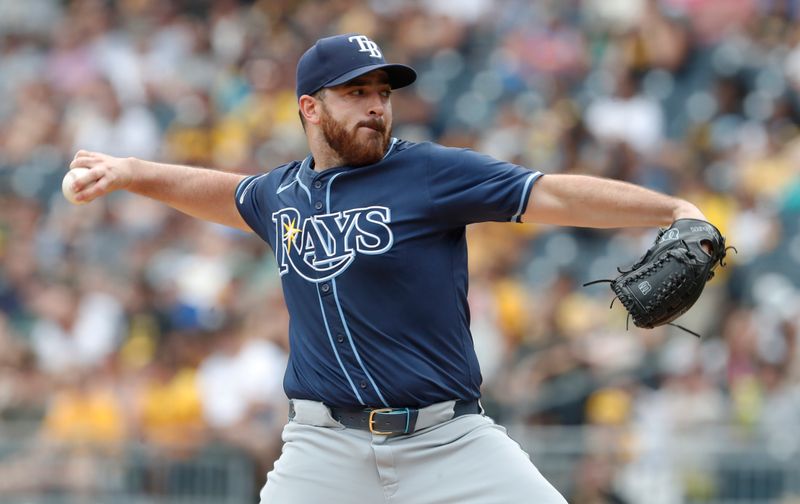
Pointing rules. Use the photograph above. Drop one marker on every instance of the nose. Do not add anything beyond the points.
(377, 107)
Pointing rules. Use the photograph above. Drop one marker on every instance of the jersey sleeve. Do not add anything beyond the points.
(465, 186)
(252, 206)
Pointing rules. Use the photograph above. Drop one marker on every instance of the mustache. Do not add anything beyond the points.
(377, 124)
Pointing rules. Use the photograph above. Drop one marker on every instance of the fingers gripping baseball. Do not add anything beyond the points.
(103, 174)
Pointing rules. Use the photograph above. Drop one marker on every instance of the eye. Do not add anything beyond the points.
(386, 93)
(357, 92)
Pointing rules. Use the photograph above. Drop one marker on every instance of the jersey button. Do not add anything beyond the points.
(317, 184)
(363, 384)
(325, 288)
(318, 205)
(340, 338)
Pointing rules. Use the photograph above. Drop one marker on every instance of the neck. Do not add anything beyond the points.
(324, 156)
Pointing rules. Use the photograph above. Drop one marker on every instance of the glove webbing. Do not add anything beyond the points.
(628, 318)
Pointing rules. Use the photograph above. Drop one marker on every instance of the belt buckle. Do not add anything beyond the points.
(372, 429)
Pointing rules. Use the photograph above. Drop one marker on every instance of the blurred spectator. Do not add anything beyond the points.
(75, 331)
(241, 388)
(86, 411)
(98, 119)
(627, 116)
(121, 321)
(168, 406)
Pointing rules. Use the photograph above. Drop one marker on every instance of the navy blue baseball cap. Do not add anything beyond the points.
(335, 60)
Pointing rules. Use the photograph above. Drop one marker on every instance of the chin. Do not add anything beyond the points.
(360, 148)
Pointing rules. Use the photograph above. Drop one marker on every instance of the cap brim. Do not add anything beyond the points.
(399, 75)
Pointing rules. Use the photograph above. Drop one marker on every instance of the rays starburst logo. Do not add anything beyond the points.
(290, 234)
(322, 246)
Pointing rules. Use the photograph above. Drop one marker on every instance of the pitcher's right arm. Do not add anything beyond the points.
(199, 192)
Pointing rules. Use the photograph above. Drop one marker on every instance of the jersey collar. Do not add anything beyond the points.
(306, 173)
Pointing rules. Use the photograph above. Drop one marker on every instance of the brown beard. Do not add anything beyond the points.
(353, 152)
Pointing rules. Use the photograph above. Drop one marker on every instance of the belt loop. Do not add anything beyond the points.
(467, 407)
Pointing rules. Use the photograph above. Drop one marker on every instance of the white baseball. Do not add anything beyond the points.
(66, 184)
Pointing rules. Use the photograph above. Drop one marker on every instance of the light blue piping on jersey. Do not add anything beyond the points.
(335, 352)
(531, 178)
(328, 196)
(341, 312)
(245, 186)
(306, 163)
(353, 346)
(391, 147)
(297, 180)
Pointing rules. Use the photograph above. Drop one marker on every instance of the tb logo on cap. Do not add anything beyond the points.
(366, 45)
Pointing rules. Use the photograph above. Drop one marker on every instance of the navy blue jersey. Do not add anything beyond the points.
(373, 262)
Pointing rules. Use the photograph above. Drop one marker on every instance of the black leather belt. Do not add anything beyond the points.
(391, 421)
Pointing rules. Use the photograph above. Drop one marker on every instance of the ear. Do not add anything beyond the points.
(309, 108)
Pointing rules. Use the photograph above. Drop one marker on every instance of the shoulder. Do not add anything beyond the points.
(429, 150)
(284, 171)
(441, 154)
(276, 175)
(273, 178)
(457, 158)
(422, 147)
(402, 148)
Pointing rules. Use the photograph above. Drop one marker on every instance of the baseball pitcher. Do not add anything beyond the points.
(368, 232)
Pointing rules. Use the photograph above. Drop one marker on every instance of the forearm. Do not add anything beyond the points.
(202, 193)
(584, 201)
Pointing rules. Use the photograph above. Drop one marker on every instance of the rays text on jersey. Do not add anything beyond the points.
(325, 245)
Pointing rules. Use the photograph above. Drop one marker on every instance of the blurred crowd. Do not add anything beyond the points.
(122, 321)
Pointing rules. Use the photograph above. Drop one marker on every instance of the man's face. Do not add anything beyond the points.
(356, 119)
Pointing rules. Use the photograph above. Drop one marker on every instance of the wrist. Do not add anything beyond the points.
(686, 210)
(131, 171)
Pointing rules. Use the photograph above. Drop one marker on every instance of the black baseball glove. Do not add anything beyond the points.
(671, 275)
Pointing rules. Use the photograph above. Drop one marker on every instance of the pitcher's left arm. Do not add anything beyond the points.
(586, 201)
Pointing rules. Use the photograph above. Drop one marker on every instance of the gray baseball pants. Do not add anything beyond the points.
(463, 460)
